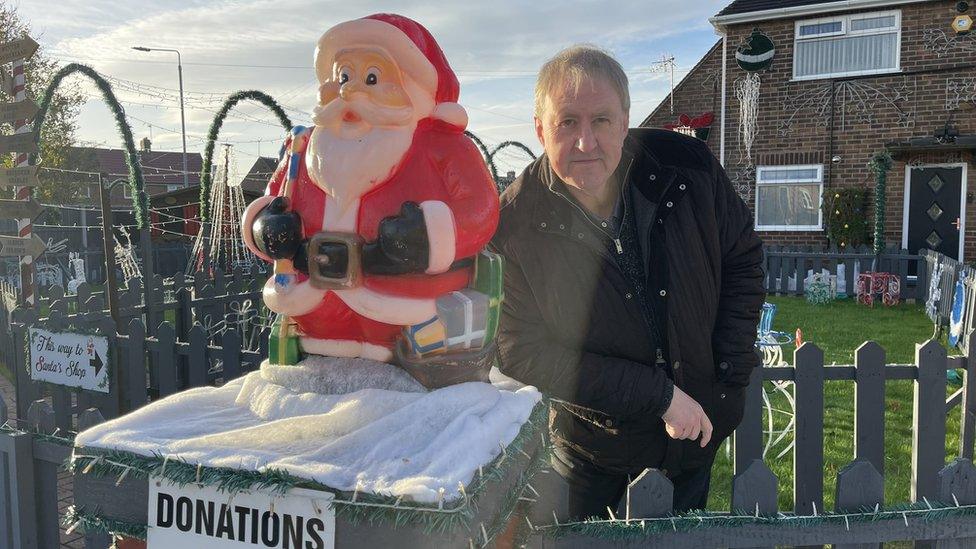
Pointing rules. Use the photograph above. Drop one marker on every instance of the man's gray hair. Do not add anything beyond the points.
(573, 65)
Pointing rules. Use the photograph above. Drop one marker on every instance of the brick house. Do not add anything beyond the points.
(848, 78)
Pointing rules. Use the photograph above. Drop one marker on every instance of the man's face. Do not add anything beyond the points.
(582, 131)
(365, 90)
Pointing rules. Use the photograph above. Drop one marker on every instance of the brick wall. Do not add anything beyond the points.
(796, 124)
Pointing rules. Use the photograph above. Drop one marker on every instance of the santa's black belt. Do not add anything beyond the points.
(335, 260)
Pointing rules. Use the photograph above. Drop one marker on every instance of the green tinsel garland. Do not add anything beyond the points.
(140, 204)
(696, 520)
(214, 132)
(489, 161)
(490, 155)
(501, 146)
(880, 163)
(90, 523)
(373, 508)
(538, 462)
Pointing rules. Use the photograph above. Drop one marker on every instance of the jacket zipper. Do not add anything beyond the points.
(616, 240)
(659, 361)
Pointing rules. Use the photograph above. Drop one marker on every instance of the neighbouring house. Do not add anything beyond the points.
(258, 176)
(175, 215)
(797, 96)
(162, 171)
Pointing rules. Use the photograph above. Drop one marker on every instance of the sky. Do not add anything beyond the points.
(494, 47)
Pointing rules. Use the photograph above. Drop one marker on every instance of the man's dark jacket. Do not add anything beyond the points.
(572, 326)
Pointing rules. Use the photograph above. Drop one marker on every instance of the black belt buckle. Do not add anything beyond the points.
(335, 260)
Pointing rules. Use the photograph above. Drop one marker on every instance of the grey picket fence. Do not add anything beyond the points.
(787, 267)
(860, 485)
(142, 368)
(203, 297)
(148, 367)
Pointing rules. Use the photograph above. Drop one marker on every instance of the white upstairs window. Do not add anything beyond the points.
(847, 45)
(788, 198)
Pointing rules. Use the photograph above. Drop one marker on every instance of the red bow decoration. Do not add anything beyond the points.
(703, 121)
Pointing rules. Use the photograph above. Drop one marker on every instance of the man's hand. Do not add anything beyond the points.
(685, 419)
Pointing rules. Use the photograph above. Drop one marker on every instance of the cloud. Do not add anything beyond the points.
(495, 47)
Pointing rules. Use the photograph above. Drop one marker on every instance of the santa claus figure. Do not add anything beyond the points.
(384, 201)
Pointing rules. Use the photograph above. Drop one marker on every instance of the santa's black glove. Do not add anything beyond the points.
(402, 246)
(278, 232)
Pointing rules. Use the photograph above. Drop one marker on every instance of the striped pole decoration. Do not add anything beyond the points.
(24, 226)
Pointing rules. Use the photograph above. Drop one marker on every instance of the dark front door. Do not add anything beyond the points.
(933, 210)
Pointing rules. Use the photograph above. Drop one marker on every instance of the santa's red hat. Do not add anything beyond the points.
(411, 46)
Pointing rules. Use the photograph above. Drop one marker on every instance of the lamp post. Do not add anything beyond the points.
(179, 66)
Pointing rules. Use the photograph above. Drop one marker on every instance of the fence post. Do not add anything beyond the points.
(133, 374)
(859, 484)
(165, 361)
(808, 449)
(650, 495)
(967, 408)
(40, 418)
(748, 439)
(27, 391)
(5, 504)
(197, 359)
(869, 404)
(922, 282)
(184, 313)
(755, 490)
(957, 486)
(929, 429)
(230, 355)
(19, 449)
(90, 418)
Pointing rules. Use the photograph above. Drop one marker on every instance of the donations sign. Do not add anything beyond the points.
(202, 517)
(74, 360)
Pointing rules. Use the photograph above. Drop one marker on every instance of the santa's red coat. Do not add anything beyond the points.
(442, 165)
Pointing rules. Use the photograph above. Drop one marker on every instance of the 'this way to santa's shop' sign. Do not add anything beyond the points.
(74, 360)
(202, 517)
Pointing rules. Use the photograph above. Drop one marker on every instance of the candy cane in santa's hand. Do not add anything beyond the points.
(284, 269)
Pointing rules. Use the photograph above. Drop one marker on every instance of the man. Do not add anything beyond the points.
(632, 289)
(388, 166)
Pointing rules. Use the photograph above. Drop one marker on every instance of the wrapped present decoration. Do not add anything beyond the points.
(283, 347)
(460, 325)
(488, 269)
(426, 339)
(464, 315)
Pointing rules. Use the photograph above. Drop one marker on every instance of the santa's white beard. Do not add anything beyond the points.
(346, 168)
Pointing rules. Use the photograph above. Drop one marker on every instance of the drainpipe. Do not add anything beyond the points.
(721, 133)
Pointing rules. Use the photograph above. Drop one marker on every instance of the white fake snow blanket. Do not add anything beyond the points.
(346, 423)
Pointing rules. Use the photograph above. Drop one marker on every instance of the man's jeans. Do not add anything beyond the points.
(592, 489)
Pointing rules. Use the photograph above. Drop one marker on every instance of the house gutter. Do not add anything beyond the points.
(799, 11)
(721, 133)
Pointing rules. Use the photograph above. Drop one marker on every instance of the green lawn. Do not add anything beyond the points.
(838, 329)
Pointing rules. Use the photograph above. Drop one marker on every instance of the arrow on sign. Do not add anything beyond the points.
(12, 246)
(18, 142)
(22, 48)
(19, 177)
(17, 110)
(20, 209)
(96, 363)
